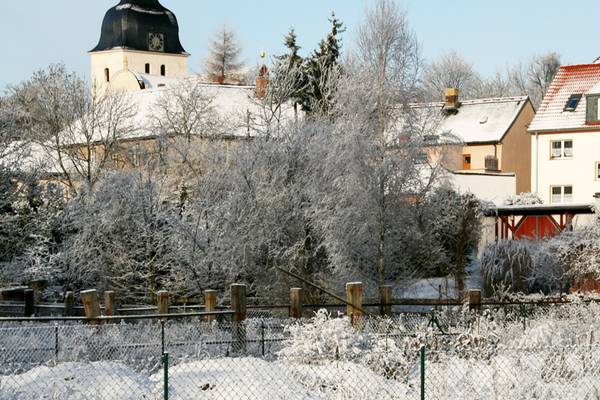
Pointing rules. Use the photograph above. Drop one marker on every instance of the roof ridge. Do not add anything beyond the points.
(575, 66)
(506, 99)
(485, 100)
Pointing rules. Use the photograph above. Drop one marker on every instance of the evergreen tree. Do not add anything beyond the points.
(292, 58)
(290, 64)
(320, 68)
(223, 64)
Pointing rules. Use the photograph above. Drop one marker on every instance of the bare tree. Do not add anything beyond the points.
(79, 129)
(535, 78)
(449, 71)
(185, 119)
(364, 213)
(223, 64)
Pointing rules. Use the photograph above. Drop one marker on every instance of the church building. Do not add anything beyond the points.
(139, 53)
(139, 40)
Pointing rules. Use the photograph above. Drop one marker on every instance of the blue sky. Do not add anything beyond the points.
(489, 34)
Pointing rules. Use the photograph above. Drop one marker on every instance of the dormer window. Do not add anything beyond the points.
(592, 116)
(573, 102)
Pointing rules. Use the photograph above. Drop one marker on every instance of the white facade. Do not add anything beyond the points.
(107, 66)
(556, 171)
(494, 188)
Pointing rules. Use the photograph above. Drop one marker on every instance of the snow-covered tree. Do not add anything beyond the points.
(223, 64)
(451, 70)
(535, 77)
(371, 174)
(120, 235)
(79, 129)
(320, 71)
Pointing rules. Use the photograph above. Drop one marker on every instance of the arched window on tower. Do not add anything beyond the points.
(107, 74)
(163, 70)
(147, 68)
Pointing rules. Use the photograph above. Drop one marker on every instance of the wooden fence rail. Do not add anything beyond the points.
(22, 302)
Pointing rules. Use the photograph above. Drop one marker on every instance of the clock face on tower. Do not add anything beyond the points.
(156, 42)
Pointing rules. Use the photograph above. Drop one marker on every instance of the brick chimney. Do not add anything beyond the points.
(451, 102)
(262, 82)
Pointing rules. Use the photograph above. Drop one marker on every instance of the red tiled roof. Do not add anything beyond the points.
(571, 79)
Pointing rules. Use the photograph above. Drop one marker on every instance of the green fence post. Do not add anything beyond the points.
(423, 373)
(165, 360)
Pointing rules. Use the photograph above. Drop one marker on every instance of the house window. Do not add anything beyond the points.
(561, 149)
(421, 158)
(593, 110)
(107, 74)
(561, 194)
(597, 171)
(147, 68)
(466, 161)
(163, 70)
(93, 155)
(573, 102)
(430, 139)
(116, 160)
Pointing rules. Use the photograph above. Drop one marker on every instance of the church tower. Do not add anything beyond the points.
(139, 40)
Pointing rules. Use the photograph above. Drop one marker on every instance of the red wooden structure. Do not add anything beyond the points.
(535, 222)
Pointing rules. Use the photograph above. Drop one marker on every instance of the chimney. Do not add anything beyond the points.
(218, 79)
(451, 103)
(262, 82)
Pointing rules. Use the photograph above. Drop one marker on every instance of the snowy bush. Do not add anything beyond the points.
(522, 199)
(506, 264)
(323, 337)
(579, 251)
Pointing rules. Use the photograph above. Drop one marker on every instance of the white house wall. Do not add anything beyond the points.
(487, 187)
(578, 171)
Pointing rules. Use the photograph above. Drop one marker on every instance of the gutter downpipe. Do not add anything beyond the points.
(537, 162)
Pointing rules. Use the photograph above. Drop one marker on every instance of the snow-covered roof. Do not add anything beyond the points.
(29, 157)
(542, 209)
(569, 80)
(235, 105)
(154, 81)
(481, 120)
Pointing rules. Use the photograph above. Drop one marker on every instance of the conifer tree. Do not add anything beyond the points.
(223, 63)
(320, 68)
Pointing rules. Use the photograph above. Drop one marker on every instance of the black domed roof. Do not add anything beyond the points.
(131, 24)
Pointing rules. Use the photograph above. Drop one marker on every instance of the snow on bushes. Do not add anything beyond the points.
(506, 265)
(547, 266)
(523, 199)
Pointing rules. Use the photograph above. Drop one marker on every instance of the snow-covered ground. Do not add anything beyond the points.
(226, 378)
(553, 354)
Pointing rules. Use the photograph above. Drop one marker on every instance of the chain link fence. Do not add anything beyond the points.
(407, 357)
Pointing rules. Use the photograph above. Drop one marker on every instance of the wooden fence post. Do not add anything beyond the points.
(91, 305)
(238, 302)
(29, 302)
(210, 304)
(162, 302)
(109, 303)
(475, 299)
(296, 303)
(69, 310)
(38, 287)
(354, 295)
(385, 300)
(238, 306)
